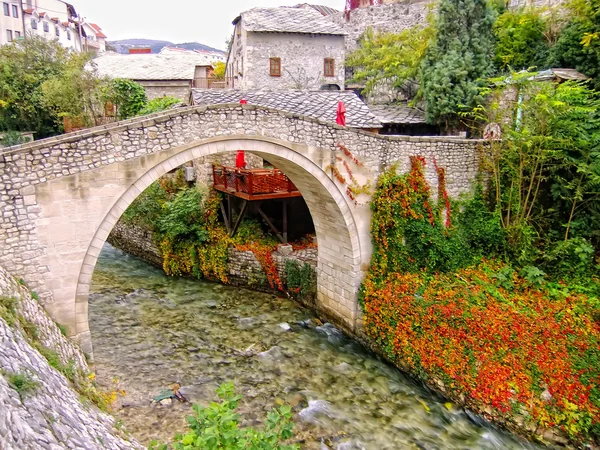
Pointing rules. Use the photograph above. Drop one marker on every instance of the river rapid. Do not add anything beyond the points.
(151, 331)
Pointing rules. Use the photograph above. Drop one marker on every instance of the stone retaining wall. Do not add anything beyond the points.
(50, 415)
(243, 269)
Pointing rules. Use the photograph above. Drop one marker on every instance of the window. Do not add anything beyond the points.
(15, 11)
(68, 35)
(6, 9)
(46, 27)
(17, 34)
(329, 69)
(9, 36)
(57, 31)
(34, 24)
(275, 68)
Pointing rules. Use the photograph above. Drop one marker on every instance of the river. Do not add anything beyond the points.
(150, 331)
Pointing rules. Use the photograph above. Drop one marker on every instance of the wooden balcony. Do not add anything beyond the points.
(254, 184)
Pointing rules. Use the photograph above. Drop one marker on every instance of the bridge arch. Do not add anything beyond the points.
(341, 255)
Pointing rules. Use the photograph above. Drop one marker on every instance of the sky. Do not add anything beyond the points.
(204, 21)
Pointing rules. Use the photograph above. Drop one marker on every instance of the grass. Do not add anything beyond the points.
(8, 310)
(22, 383)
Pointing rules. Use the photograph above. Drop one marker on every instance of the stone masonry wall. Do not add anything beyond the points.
(393, 18)
(243, 268)
(302, 61)
(136, 241)
(177, 89)
(51, 416)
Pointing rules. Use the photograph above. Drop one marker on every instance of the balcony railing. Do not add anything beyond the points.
(253, 184)
(213, 83)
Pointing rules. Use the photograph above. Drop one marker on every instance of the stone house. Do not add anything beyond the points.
(286, 48)
(169, 74)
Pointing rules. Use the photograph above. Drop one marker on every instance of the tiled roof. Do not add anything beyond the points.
(563, 74)
(98, 30)
(320, 105)
(150, 66)
(324, 10)
(397, 113)
(288, 20)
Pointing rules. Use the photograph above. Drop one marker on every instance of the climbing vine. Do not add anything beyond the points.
(354, 189)
(506, 343)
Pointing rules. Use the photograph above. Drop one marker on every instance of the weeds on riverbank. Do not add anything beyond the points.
(217, 426)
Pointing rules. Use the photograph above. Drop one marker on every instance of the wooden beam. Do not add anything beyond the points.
(285, 223)
(271, 226)
(239, 219)
(225, 218)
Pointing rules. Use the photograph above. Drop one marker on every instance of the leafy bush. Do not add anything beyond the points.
(159, 104)
(128, 96)
(301, 278)
(147, 207)
(183, 218)
(572, 259)
(217, 426)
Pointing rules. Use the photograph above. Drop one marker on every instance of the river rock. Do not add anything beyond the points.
(285, 326)
(274, 353)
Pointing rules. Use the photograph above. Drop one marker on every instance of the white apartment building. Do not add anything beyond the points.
(11, 21)
(52, 20)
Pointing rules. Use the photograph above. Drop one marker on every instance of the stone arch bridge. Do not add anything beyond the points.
(60, 197)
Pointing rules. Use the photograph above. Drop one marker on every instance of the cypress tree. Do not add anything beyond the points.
(458, 60)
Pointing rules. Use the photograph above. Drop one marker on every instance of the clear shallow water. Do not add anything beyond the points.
(151, 331)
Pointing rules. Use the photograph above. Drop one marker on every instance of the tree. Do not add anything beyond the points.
(24, 66)
(458, 59)
(578, 45)
(546, 169)
(77, 92)
(521, 39)
(128, 97)
(389, 56)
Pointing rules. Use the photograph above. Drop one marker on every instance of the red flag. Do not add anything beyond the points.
(340, 117)
(240, 159)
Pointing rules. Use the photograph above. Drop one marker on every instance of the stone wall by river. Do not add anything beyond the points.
(50, 415)
(243, 269)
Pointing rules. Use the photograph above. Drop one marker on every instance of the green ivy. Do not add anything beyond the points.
(301, 278)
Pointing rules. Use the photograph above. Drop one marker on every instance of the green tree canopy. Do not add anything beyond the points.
(458, 59)
(578, 45)
(392, 57)
(24, 66)
(521, 39)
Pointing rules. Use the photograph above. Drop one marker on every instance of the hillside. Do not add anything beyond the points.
(124, 45)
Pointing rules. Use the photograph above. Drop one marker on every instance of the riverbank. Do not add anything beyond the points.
(151, 330)
(47, 400)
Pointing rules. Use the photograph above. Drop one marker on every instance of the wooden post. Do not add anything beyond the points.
(225, 217)
(285, 223)
(251, 183)
(237, 180)
(271, 226)
(239, 219)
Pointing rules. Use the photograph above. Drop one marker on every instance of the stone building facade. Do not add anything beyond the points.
(286, 48)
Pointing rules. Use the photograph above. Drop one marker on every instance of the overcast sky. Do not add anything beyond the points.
(204, 21)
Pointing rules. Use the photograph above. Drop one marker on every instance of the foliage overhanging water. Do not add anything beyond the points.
(151, 331)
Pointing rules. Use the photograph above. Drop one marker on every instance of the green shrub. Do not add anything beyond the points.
(301, 278)
(22, 383)
(8, 310)
(183, 218)
(570, 260)
(218, 427)
(147, 207)
(159, 104)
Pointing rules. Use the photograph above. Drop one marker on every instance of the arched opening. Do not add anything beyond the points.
(339, 257)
